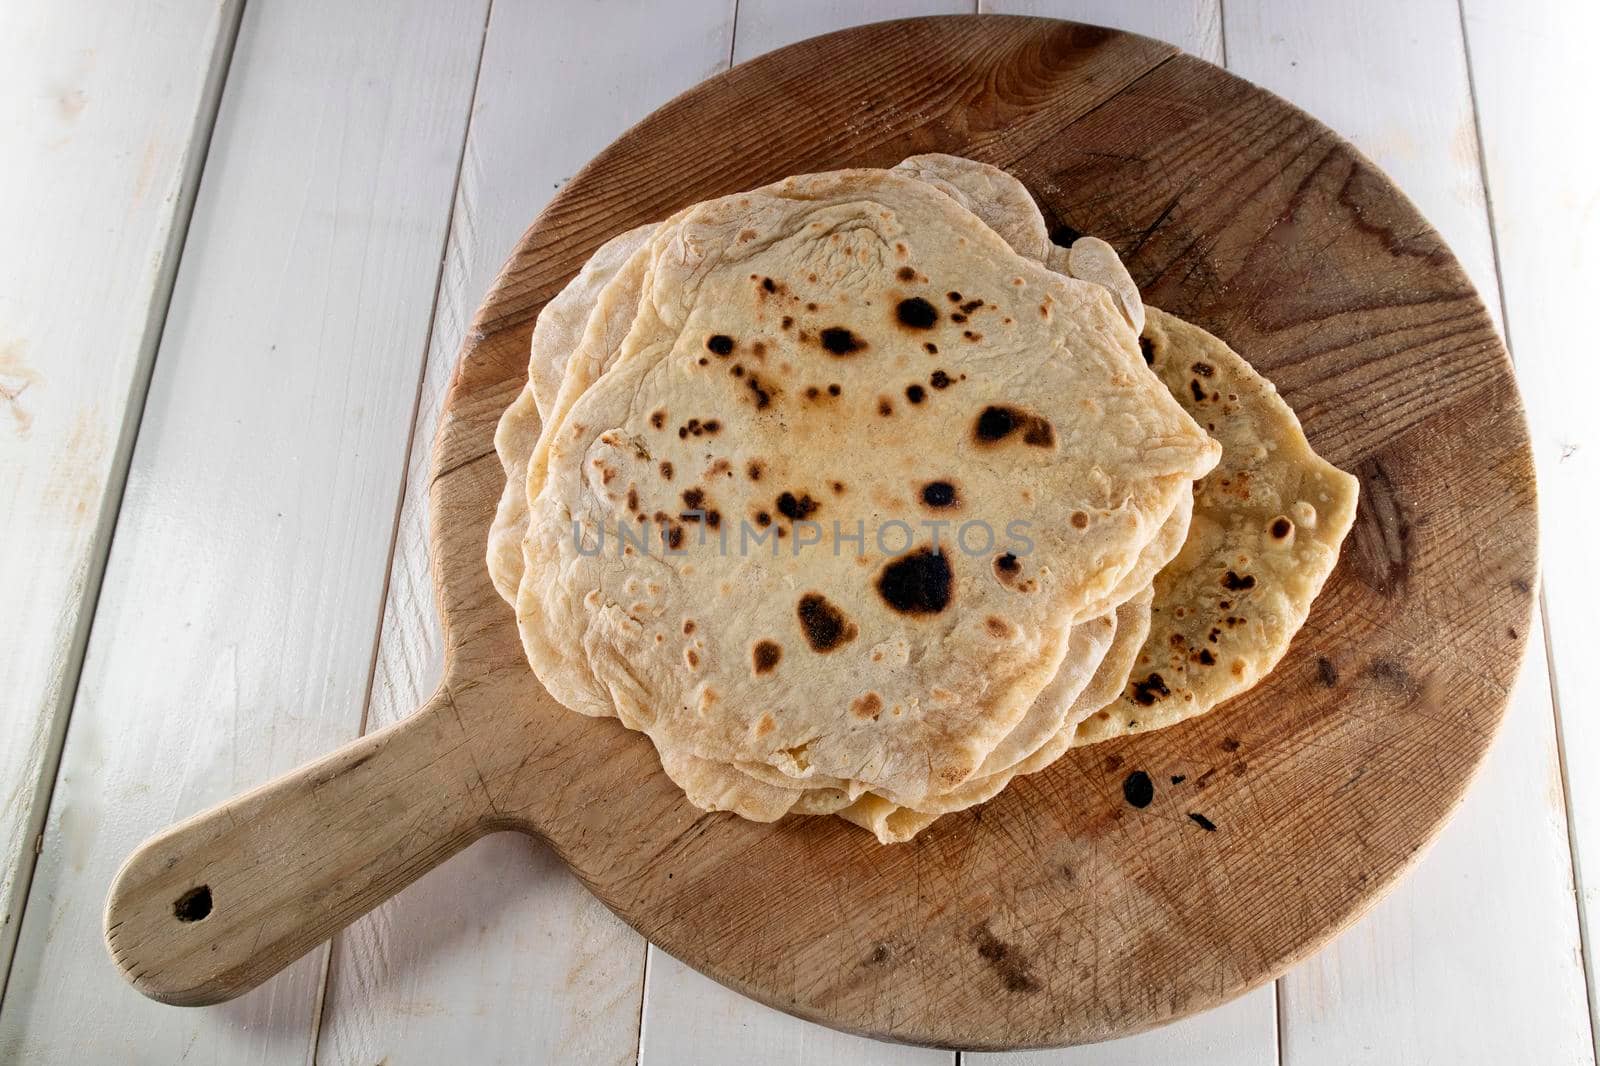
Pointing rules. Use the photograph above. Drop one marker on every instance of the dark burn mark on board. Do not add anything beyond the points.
(997, 422)
(1327, 673)
(796, 508)
(825, 626)
(1151, 689)
(1230, 744)
(916, 313)
(1138, 789)
(878, 956)
(1389, 673)
(720, 344)
(1178, 779)
(1203, 822)
(939, 494)
(1010, 965)
(765, 655)
(1379, 544)
(918, 583)
(841, 342)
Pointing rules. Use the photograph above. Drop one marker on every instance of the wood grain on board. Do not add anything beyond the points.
(104, 114)
(234, 632)
(1324, 783)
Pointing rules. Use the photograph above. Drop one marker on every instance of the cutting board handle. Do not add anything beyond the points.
(215, 905)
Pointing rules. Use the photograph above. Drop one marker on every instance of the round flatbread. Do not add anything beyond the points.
(794, 352)
(1268, 524)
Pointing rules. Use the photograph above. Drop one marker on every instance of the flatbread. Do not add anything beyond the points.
(892, 823)
(1000, 200)
(1267, 527)
(1006, 205)
(899, 690)
(559, 331)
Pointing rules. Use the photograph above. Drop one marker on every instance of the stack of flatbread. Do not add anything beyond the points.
(859, 497)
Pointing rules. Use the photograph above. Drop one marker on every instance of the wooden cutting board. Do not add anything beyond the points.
(1059, 912)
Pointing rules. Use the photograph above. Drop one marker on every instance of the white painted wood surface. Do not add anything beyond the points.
(515, 961)
(99, 110)
(236, 640)
(1536, 85)
(235, 627)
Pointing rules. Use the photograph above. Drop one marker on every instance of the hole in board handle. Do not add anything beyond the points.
(193, 905)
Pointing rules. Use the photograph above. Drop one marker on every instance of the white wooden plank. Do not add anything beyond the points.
(690, 1020)
(104, 114)
(1240, 1033)
(1536, 87)
(501, 955)
(1475, 957)
(234, 634)
(765, 24)
(1193, 25)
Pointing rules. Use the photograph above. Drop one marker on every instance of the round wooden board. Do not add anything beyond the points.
(1057, 913)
